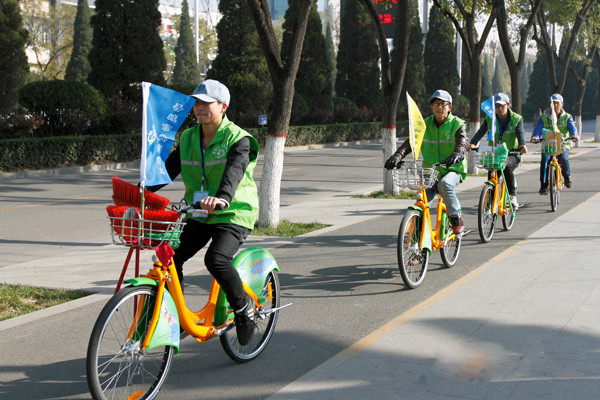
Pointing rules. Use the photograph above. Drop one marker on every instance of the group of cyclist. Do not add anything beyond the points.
(445, 142)
(216, 159)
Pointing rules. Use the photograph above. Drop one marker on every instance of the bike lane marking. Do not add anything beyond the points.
(380, 333)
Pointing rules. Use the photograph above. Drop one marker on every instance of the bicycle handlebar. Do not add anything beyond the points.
(195, 208)
(539, 140)
(515, 151)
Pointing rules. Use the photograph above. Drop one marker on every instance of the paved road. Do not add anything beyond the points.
(343, 281)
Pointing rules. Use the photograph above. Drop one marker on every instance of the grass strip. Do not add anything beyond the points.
(18, 300)
(288, 229)
(402, 195)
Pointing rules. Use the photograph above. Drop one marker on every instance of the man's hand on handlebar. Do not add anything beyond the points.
(473, 147)
(523, 149)
(211, 204)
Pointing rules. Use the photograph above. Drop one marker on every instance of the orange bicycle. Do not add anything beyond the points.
(416, 237)
(138, 331)
(553, 145)
(494, 200)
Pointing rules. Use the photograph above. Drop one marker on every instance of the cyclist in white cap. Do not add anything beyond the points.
(216, 159)
(566, 126)
(510, 132)
(445, 142)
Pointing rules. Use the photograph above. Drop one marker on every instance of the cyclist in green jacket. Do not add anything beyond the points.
(510, 131)
(445, 142)
(567, 128)
(216, 159)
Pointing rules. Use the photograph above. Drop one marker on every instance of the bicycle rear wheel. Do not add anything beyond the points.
(554, 194)
(412, 259)
(265, 325)
(451, 249)
(486, 220)
(116, 366)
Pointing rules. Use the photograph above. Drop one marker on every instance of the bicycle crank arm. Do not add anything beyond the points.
(465, 233)
(460, 235)
(263, 314)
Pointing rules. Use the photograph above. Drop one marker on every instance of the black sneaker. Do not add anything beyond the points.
(568, 182)
(245, 323)
(457, 224)
(544, 190)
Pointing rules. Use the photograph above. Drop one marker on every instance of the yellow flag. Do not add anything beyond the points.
(416, 126)
(554, 118)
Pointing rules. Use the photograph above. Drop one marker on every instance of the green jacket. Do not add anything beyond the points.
(509, 136)
(439, 143)
(243, 208)
(562, 126)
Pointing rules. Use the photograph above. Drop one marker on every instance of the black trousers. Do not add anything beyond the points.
(226, 241)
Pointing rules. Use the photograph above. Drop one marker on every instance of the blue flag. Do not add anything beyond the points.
(164, 110)
(489, 107)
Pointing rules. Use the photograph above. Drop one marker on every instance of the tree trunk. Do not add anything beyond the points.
(283, 75)
(473, 47)
(515, 66)
(581, 86)
(474, 110)
(597, 131)
(391, 81)
(558, 83)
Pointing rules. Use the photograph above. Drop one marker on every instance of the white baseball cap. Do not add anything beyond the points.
(442, 95)
(210, 91)
(556, 97)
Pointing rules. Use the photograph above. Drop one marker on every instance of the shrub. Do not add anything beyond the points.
(67, 151)
(66, 107)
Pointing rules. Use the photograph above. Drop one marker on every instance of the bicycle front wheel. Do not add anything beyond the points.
(509, 216)
(265, 325)
(451, 249)
(116, 366)
(486, 220)
(412, 259)
(554, 194)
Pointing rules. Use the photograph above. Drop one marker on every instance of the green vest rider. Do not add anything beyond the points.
(562, 126)
(509, 135)
(243, 208)
(439, 143)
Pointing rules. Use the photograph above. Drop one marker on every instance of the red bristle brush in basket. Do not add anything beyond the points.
(126, 194)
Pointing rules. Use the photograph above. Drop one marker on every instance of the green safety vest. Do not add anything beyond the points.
(562, 127)
(439, 143)
(243, 208)
(510, 135)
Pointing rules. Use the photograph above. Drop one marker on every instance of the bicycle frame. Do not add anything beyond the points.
(498, 207)
(428, 234)
(553, 161)
(170, 310)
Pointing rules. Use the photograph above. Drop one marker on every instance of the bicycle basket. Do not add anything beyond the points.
(157, 227)
(412, 176)
(552, 147)
(489, 160)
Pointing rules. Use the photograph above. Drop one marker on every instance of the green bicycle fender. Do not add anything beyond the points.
(253, 265)
(140, 280)
(167, 332)
(427, 242)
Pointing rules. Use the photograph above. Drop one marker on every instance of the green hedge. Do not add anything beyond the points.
(67, 151)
